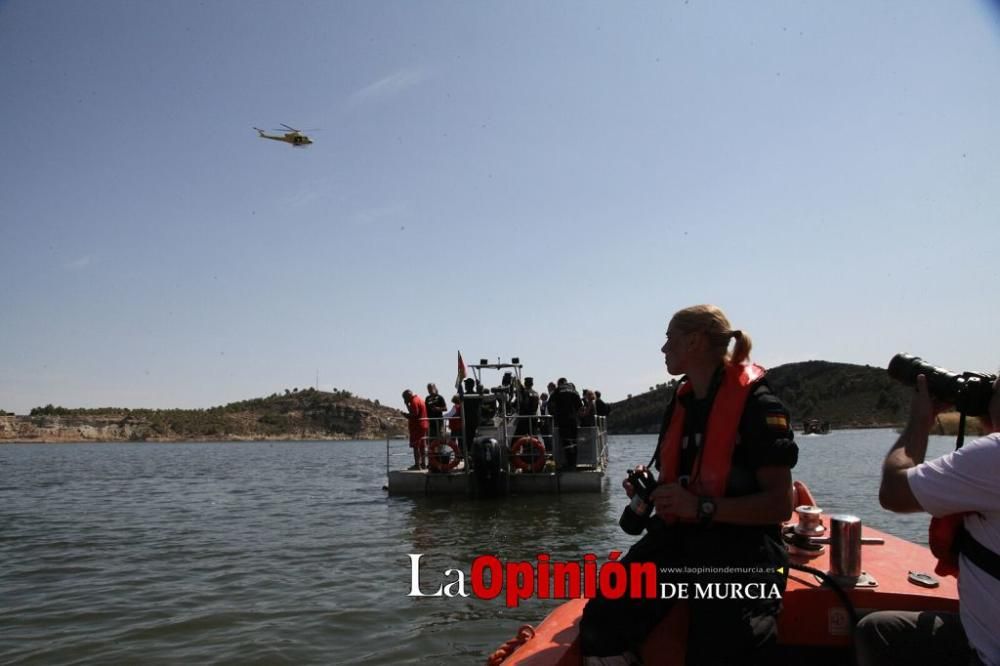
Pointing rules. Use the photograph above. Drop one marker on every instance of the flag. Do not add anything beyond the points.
(461, 373)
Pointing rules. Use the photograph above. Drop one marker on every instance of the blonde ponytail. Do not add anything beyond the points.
(712, 321)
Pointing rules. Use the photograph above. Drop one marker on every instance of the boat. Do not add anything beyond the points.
(507, 453)
(815, 427)
(821, 605)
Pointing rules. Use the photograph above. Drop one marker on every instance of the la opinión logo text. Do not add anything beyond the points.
(490, 577)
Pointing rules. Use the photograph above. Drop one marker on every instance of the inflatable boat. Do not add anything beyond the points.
(821, 605)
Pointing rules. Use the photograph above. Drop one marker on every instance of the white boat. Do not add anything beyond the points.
(500, 451)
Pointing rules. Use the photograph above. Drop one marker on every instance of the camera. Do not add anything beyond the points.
(636, 513)
(970, 392)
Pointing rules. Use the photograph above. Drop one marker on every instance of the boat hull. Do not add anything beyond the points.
(422, 482)
(813, 621)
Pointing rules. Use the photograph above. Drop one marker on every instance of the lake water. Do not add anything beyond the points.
(291, 552)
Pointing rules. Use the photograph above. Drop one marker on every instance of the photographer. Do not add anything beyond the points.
(725, 455)
(965, 486)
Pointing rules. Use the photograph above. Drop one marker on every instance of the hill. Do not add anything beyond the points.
(845, 394)
(306, 414)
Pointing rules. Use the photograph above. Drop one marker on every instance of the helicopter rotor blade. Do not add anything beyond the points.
(288, 127)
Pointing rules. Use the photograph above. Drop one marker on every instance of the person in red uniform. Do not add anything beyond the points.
(417, 416)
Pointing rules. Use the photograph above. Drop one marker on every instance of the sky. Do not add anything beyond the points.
(543, 180)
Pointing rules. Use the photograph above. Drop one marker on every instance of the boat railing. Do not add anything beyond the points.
(591, 441)
(390, 453)
(591, 445)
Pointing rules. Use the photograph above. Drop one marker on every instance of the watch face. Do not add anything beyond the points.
(708, 507)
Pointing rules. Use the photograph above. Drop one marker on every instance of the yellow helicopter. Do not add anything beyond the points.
(292, 136)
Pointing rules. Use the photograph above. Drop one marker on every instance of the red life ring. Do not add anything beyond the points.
(521, 459)
(434, 458)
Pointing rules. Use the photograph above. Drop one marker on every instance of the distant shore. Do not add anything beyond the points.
(308, 437)
(947, 424)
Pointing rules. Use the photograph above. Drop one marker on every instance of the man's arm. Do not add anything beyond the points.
(909, 451)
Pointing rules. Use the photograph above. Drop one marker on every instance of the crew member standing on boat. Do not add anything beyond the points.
(472, 410)
(417, 417)
(588, 413)
(725, 455)
(454, 417)
(527, 409)
(436, 407)
(545, 423)
(564, 405)
(963, 485)
(600, 406)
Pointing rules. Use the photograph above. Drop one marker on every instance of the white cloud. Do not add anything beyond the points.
(391, 85)
(78, 264)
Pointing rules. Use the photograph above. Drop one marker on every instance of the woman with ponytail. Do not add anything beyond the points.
(724, 486)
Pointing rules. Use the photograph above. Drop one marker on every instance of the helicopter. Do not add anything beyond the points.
(291, 136)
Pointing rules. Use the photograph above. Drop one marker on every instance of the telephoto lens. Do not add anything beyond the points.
(969, 392)
(636, 513)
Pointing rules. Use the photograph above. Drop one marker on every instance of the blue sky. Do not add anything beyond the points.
(544, 180)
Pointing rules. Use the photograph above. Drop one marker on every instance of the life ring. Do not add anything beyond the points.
(521, 459)
(434, 457)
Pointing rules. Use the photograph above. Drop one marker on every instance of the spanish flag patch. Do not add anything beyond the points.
(777, 421)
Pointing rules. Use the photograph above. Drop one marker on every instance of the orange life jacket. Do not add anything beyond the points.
(715, 459)
(942, 534)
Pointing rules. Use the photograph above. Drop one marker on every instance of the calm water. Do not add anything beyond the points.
(291, 552)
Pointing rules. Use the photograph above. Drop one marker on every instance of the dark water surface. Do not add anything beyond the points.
(291, 552)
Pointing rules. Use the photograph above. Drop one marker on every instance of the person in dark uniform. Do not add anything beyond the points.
(545, 423)
(527, 409)
(588, 413)
(472, 403)
(602, 407)
(725, 455)
(436, 407)
(564, 405)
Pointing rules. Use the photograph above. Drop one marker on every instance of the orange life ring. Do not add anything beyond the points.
(434, 455)
(521, 459)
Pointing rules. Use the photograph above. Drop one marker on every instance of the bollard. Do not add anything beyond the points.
(845, 546)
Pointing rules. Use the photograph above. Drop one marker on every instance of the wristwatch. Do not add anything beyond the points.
(706, 510)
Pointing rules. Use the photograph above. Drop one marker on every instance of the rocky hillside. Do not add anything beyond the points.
(846, 395)
(306, 414)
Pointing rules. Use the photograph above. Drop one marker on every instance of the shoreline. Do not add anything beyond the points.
(199, 440)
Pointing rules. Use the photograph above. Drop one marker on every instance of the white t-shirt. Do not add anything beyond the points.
(969, 480)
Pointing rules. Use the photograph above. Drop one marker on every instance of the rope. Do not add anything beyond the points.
(524, 634)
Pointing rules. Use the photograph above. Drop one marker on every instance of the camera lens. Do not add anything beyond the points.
(969, 392)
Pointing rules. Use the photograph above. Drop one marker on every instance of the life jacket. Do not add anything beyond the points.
(948, 538)
(941, 535)
(710, 472)
(455, 422)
